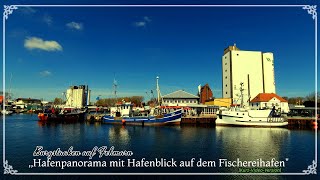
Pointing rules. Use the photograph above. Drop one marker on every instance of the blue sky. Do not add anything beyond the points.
(50, 48)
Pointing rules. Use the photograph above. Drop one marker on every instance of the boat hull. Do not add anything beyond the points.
(253, 118)
(167, 119)
(68, 118)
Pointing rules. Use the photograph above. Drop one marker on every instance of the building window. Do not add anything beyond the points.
(225, 70)
(225, 63)
(226, 85)
(226, 92)
(226, 77)
(265, 104)
(237, 54)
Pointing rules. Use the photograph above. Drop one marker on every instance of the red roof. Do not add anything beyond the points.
(1, 99)
(265, 97)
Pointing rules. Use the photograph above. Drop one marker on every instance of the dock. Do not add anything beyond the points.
(299, 122)
(295, 122)
(199, 120)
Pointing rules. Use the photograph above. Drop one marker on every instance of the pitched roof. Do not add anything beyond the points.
(207, 85)
(265, 97)
(180, 94)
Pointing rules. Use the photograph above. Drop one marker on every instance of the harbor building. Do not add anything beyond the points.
(254, 69)
(219, 102)
(268, 101)
(189, 102)
(78, 96)
(23, 103)
(180, 98)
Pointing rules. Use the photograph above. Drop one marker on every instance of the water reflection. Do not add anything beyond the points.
(252, 143)
(119, 135)
(180, 142)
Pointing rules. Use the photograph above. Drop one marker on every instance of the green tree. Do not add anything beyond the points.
(57, 101)
(137, 100)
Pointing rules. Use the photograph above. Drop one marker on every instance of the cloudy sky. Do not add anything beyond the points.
(50, 48)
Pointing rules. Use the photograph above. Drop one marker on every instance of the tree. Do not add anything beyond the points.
(57, 101)
(137, 100)
(310, 100)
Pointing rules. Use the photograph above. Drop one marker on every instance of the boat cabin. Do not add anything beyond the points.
(122, 109)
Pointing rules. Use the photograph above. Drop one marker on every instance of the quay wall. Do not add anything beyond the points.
(302, 123)
(202, 120)
(293, 122)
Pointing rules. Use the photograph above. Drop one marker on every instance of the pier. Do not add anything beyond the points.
(298, 122)
(295, 122)
(199, 119)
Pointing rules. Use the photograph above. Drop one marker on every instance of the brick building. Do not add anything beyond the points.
(205, 94)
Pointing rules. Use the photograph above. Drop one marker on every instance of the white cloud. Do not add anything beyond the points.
(27, 10)
(37, 43)
(142, 23)
(147, 19)
(47, 19)
(45, 73)
(75, 25)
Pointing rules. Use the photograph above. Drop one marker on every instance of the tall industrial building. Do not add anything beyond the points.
(254, 69)
(78, 96)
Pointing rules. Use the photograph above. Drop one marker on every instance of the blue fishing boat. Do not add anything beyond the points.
(123, 114)
(173, 118)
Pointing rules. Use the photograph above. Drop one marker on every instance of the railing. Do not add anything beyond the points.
(275, 119)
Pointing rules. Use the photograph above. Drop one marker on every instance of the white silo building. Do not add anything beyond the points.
(78, 96)
(254, 69)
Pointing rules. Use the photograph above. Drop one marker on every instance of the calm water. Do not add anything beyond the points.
(24, 133)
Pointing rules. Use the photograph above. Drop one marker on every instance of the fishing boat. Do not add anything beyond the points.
(166, 119)
(240, 116)
(124, 117)
(6, 112)
(123, 114)
(68, 115)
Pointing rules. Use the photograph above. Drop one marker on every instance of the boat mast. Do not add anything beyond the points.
(241, 93)
(115, 88)
(158, 92)
(9, 94)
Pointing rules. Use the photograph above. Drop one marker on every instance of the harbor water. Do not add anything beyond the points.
(23, 133)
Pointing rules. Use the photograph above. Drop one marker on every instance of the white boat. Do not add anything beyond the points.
(239, 116)
(6, 112)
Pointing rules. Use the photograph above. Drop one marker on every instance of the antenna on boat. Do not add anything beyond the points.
(10, 95)
(241, 93)
(115, 85)
(158, 92)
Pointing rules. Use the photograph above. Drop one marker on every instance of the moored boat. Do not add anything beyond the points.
(123, 114)
(6, 112)
(68, 115)
(240, 116)
(173, 118)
